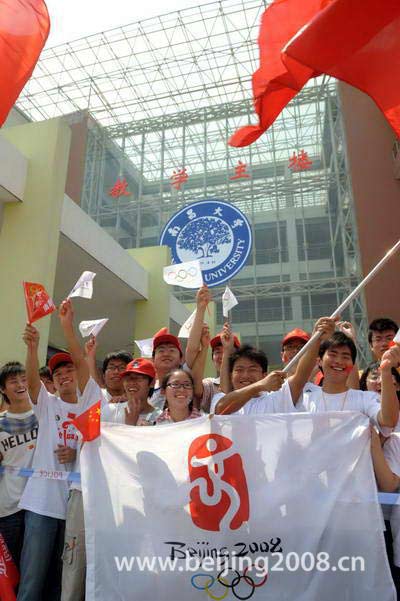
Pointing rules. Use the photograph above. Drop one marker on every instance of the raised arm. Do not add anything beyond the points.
(203, 297)
(228, 346)
(306, 364)
(389, 414)
(199, 367)
(66, 315)
(233, 401)
(387, 481)
(31, 339)
(90, 354)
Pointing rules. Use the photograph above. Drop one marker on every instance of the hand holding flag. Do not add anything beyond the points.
(228, 301)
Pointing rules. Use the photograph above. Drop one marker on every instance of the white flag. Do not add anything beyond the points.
(92, 327)
(397, 337)
(84, 286)
(145, 347)
(228, 301)
(206, 498)
(187, 275)
(187, 326)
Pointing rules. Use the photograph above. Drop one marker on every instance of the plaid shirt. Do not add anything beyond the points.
(10, 425)
(165, 417)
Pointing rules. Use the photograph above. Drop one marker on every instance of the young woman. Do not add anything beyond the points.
(178, 388)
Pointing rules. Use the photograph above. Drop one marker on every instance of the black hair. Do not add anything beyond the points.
(45, 372)
(249, 352)
(338, 339)
(380, 325)
(12, 368)
(167, 378)
(372, 367)
(124, 356)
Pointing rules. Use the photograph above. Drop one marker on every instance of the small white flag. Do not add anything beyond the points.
(92, 327)
(397, 337)
(84, 286)
(228, 301)
(187, 275)
(145, 347)
(187, 326)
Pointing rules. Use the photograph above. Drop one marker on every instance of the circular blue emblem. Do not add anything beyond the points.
(213, 231)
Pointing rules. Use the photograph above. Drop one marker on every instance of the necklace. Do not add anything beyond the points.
(343, 403)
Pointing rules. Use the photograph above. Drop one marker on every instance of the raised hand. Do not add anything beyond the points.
(203, 297)
(66, 313)
(31, 337)
(273, 381)
(347, 328)
(325, 326)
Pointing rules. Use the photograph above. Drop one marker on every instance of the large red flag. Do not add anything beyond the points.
(9, 576)
(88, 422)
(24, 27)
(274, 85)
(357, 41)
(38, 302)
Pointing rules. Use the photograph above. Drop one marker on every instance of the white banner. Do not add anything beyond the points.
(84, 286)
(199, 509)
(187, 275)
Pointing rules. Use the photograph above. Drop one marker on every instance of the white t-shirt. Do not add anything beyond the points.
(279, 401)
(18, 434)
(44, 496)
(391, 450)
(315, 400)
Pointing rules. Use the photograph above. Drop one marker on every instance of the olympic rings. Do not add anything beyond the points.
(182, 274)
(232, 585)
(261, 583)
(202, 588)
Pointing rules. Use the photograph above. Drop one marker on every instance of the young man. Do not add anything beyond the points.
(167, 355)
(337, 359)
(292, 343)
(137, 380)
(47, 379)
(18, 434)
(381, 332)
(45, 500)
(256, 392)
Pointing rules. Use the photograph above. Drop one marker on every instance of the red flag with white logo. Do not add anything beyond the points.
(38, 302)
(9, 576)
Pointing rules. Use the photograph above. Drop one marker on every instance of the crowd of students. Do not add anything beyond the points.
(42, 520)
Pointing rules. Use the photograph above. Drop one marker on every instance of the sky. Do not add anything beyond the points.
(72, 19)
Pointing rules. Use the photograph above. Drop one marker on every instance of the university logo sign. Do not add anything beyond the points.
(219, 497)
(213, 231)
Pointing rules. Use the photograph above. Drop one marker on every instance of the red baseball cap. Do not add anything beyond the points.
(216, 341)
(164, 337)
(58, 358)
(296, 334)
(140, 366)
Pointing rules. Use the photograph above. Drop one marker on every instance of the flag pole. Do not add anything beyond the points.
(345, 303)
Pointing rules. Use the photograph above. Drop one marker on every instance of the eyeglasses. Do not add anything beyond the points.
(118, 368)
(176, 385)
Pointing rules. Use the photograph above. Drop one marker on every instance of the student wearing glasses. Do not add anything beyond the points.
(177, 386)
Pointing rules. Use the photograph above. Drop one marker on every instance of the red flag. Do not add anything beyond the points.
(274, 85)
(357, 41)
(9, 576)
(38, 302)
(24, 27)
(88, 422)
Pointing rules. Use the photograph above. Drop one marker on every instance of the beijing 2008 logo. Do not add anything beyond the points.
(213, 231)
(219, 497)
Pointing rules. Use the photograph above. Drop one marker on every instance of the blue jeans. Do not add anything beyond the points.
(12, 529)
(41, 558)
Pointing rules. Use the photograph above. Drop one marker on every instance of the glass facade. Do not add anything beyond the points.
(165, 95)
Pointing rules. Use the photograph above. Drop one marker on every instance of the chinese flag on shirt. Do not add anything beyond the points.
(88, 422)
(38, 302)
(9, 576)
(24, 27)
